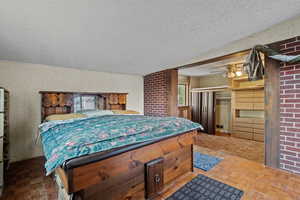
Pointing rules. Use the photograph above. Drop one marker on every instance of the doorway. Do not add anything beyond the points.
(229, 107)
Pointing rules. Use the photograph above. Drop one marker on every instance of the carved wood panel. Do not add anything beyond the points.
(53, 102)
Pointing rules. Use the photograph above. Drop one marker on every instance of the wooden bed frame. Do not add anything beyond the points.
(139, 171)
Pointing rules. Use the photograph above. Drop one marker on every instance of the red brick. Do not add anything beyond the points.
(292, 120)
(292, 72)
(293, 81)
(287, 162)
(292, 100)
(293, 139)
(284, 96)
(292, 168)
(293, 149)
(293, 144)
(294, 53)
(286, 124)
(287, 68)
(288, 134)
(292, 110)
(292, 91)
(287, 105)
(286, 77)
(288, 50)
(286, 115)
(292, 44)
(288, 153)
(287, 87)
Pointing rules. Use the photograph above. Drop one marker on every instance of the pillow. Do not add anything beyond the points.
(126, 112)
(65, 116)
(94, 113)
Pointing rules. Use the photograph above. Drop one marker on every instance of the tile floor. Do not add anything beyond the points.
(257, 181)
(27, 178)
(248, 149)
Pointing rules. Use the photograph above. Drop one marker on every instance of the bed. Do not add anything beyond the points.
(113, 156)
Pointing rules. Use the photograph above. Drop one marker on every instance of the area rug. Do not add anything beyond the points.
(205, 162)
(205, 188)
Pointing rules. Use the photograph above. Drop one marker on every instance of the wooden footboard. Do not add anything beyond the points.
(124, 176)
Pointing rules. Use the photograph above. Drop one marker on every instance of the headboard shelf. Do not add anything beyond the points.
(63, 102)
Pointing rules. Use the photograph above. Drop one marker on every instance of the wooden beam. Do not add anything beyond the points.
(216, 59)
(272, 112)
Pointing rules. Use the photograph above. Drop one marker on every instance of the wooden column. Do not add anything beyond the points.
(172, 89)
(272, 111)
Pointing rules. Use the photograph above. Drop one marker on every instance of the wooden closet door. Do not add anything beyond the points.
(196, 107)
(211, 112)
(204, 115)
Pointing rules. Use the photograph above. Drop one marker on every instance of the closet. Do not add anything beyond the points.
(203, 110)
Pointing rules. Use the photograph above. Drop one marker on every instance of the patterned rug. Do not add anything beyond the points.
(205, 162)
(205, 188)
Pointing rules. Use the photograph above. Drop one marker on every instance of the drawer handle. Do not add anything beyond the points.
(157, 178)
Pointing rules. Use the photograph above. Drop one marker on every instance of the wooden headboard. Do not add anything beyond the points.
(57, 102)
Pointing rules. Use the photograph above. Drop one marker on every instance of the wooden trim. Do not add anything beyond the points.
(216, 59)
(272, 112)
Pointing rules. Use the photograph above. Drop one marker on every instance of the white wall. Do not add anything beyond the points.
(24, 81)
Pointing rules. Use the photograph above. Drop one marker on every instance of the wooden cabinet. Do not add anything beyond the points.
(116, 101)
(203, 110)
(251, 101)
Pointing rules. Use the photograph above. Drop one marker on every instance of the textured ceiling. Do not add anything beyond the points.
(129, 36)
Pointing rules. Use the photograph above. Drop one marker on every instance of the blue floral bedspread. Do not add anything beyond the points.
(63, 140)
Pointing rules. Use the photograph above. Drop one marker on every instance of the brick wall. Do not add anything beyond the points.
(290, 108)
(160, 93)
(155, 94)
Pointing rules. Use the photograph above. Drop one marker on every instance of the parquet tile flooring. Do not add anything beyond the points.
(27, 180)
(248, 149)
(257, 181)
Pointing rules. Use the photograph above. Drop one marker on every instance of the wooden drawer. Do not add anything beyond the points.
(258, 106)
(244, 100)
(244, 93)
(154, 177)
(259, 131)
(244, 129)
(244, 135)
(258, 100)
(258, 93)
(258, 121)
(258, 137)
(244, 106)
(250, 100)
(243, 120)
(241, 124)
(258, 126)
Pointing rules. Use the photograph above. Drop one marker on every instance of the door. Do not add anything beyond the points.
(203, 110)
(211, 109)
